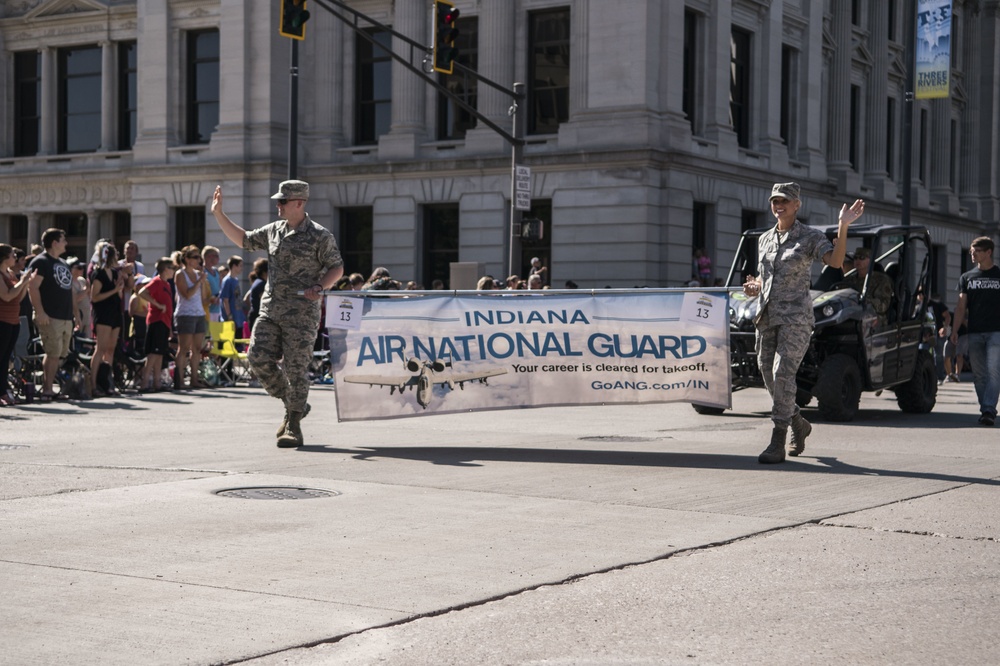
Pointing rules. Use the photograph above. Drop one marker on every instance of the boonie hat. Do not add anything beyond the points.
(292, 189)
(788, 191)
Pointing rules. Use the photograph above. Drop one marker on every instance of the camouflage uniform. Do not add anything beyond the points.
(879, 290)
(288, 322)
(785, 317)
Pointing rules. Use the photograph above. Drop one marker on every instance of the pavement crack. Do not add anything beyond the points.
(139, 468)
(161, 579)
(928, 533)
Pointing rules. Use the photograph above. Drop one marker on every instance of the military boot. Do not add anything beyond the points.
(292, 436)
(284, 421)
(800, 430)
(775, 451)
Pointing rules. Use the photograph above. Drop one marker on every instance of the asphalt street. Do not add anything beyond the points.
(588, 535)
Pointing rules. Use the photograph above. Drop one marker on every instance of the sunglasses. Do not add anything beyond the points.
(284, 202)
(194, 256)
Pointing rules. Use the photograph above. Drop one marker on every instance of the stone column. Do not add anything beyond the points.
(49, 120)
(767, 117)
(718, 35)
(154, 103)
(497, 24)
(93, 230)
(109, 110)
(321, 102)
(839, 148)
(941, 149)
(408, 92)
(876, 171)
(34, 229)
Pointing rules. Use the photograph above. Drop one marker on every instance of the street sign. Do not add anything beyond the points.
(522, 187)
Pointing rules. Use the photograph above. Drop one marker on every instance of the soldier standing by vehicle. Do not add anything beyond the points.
(785, 318)
(979, 298)
(302, 257)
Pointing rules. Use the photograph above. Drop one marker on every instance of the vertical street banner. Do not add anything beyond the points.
(933, 49)
(400, 356)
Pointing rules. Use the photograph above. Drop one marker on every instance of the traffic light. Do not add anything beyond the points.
(445, 34)
(293, 19)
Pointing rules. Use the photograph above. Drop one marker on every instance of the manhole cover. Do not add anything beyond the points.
(276, 493)
(618, 438)
(11, 447)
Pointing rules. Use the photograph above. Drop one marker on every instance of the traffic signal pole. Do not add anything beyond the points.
(293, 114)
(515, 138)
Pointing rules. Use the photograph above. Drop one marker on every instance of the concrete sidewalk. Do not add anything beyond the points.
(628, 535)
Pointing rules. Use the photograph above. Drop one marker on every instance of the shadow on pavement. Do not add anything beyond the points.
(477, 457)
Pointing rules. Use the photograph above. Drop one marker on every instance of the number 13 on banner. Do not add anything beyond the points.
(344, 312)
(703, 309)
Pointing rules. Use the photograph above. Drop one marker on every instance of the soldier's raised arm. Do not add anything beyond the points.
(233, 232)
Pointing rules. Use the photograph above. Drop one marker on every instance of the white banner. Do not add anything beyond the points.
(933, 48)
(440, 354)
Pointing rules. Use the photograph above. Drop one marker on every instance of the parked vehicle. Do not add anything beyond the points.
(852, 348)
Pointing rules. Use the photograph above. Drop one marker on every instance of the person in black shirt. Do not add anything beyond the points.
(51, 294)
(979, 305)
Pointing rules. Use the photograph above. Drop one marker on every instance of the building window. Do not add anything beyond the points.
(856, 12)
(373, 111)
(79, 99)
(548, 70)
(541, 209)
(699, 226)
(789, 77)
(939, 269)
(189, 226)
(202, 85)
(27, 103)
(355, 239)
(739, 85)
(19, 232)
(127, 100)
(440, 242)
(891, 8)
(122, 230)
(691, 67)
(75, 226)
(890, 138)
(855, 127)
(454, 121)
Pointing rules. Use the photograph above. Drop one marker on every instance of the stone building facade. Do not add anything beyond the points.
(653, 128)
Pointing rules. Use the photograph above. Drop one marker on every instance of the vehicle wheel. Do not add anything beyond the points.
(918, 395)
(838, 390)
(710, 411)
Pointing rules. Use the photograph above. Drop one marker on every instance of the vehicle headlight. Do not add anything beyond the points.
(828, 310)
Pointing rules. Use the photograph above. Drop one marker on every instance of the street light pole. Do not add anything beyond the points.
(516, 154)
(909, 55)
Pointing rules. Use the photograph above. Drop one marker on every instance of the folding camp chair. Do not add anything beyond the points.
(231, 361)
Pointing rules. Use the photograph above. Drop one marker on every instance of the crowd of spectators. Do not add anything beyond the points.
(111, 304)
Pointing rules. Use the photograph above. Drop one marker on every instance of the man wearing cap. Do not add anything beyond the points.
(785, 319)
(879, 291)
(303, 258)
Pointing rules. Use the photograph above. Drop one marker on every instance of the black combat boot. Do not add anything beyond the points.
(292, 437)
(284, 421)
(775, 451)
(800, 430)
